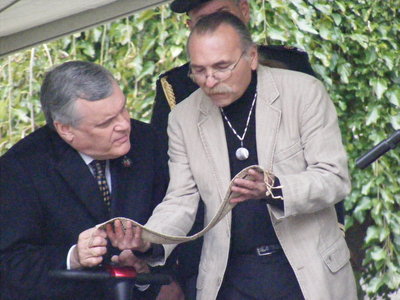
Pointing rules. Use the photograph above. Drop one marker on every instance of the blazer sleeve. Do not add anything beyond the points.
(316, 175)
(176, 214)
(25, 257)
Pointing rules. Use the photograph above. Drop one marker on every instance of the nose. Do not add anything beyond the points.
(123, 121)
(210, 80)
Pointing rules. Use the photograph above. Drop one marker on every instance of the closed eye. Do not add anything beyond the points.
(222, 67)
(197, 70)
(105, 123)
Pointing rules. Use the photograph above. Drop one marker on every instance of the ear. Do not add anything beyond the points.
(245, 10)
(190, 24)
(253, 57)
(64, 131)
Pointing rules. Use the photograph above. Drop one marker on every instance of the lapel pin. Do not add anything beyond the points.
(126, 162)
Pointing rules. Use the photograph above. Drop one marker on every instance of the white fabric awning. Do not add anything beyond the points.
(25, 23)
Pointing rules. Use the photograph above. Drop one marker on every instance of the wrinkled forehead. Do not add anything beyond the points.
(223, 42)
(211, 7)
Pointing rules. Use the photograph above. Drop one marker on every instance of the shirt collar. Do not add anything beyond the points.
(86, 158)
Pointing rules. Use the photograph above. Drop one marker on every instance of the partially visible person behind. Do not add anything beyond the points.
(50, 194)
(174, 86)
(281, 240)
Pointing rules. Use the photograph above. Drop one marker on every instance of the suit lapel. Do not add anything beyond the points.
(213, 138)
(125, 186)
(79, 178)
(132, 181)
(267, 118)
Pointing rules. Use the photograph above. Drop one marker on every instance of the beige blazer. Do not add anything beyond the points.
(298, 139)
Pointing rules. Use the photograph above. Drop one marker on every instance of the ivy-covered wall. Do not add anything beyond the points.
(353, 46)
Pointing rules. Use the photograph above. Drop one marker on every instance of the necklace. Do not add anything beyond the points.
(241, 153)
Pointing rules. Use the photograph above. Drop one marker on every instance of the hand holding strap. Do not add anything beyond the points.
(225, 207)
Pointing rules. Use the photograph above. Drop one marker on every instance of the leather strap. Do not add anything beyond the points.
(225, 207)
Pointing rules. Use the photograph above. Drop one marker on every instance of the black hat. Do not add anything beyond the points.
(184, 6)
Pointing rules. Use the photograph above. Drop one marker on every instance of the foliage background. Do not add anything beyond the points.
(353, 46)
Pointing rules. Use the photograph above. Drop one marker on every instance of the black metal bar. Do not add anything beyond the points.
(380, 149)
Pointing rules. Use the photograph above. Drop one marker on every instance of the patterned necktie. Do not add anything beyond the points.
(99, 168)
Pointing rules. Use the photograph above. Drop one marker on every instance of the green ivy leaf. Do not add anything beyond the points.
(394, 96)
(360, 38)
(374, 285)
(372, 234)
(337, 18)
(324, 8)
(378, 254)
(306, 26)
(345, 71)
(373, 116)
(148, 69)
(277, 33)
(325, 30)
(370, 55)
(379, 85)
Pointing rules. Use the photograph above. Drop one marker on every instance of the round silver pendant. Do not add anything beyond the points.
(242, 153)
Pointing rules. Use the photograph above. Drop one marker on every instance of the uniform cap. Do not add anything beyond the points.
(184, 6)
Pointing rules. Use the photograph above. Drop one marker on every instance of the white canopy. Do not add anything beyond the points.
(25, 23)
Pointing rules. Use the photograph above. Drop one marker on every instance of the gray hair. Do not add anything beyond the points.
(176, 5)
(237, 2)
(202, 3)
(210, 23)
(66, 83)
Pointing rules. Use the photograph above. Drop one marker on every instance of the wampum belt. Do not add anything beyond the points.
(225, 207)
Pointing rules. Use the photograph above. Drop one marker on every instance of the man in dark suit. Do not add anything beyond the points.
(175, 85)
(50, 199)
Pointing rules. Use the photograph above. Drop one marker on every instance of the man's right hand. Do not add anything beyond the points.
(89, 251)
(127, 259)
(171, 291)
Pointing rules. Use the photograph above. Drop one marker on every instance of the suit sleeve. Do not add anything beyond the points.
(287, 58)
(25, 254)
(161, 171)
(303, 65)
(159, 118)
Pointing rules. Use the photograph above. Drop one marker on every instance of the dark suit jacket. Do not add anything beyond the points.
(48, 197)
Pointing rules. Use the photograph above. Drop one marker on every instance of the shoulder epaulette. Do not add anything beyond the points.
(168, 91)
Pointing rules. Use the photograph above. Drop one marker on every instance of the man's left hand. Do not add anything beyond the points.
(128, 238)
(251, 188)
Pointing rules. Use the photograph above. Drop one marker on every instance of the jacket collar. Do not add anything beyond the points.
(78, 177)
(268, 117)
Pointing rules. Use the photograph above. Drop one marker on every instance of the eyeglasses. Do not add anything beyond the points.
(219, 74)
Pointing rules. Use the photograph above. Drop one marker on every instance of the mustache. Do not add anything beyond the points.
(218, 89)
